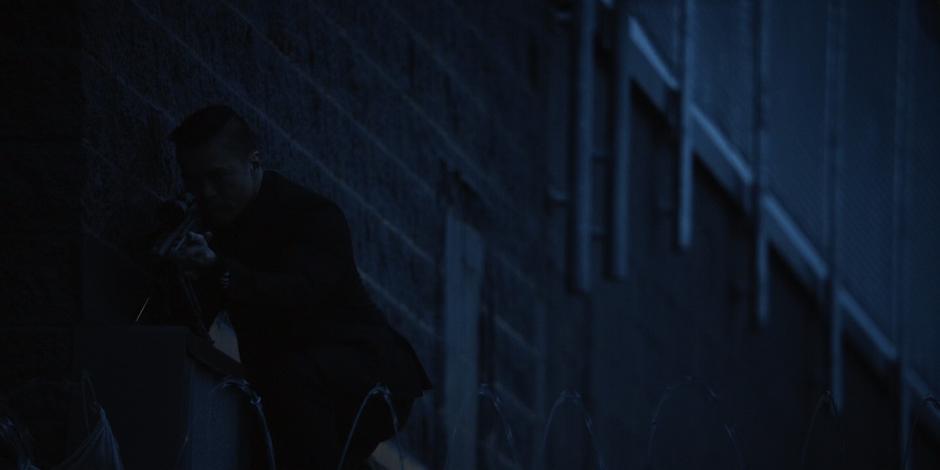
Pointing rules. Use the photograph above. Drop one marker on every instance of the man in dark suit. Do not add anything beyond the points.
(278, 257)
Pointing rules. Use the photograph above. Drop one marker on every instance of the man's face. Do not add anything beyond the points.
(221, 178)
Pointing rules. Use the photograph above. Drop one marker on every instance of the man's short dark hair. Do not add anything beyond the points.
(203, 125)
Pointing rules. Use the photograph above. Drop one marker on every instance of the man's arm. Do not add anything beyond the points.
(318, 260)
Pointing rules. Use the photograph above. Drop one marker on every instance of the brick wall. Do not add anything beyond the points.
(399, 111)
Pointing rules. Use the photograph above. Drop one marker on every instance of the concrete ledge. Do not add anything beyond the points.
(651, 73)
(794, 246)
(721, 158)
(877, 348)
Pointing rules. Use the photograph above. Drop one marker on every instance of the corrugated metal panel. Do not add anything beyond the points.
(922, 331)
(865, 200)
(795, 114)
(723, 66)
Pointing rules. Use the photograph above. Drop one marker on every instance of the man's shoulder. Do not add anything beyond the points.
(300, 200)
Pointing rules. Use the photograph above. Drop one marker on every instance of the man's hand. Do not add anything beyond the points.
(194, 252)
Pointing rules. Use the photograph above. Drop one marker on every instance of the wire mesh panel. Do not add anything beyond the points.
(723, 66)
(795, 114)
(923, 328)
(865, 199)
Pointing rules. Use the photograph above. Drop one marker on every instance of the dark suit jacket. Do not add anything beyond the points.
(297, 302)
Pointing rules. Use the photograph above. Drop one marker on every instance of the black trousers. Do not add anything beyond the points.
(310, 416)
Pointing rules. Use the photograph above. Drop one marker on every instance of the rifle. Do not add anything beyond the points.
(180, 216)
